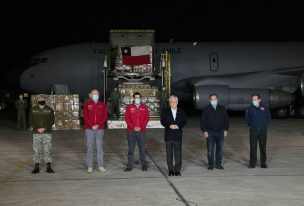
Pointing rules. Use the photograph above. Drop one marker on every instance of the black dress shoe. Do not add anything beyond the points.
(264, 166)
(128, 169)
(171, 173)
(210, 168)
(220, 167)
(178, 174)
(251, 166)
(144, 168)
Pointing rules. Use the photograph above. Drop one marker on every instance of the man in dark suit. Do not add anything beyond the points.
(173, 119)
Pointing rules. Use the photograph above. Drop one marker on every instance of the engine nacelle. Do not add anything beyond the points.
(239, 99)
(201, 95)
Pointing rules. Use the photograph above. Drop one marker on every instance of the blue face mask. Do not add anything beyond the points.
(137, 101)
(255, 103)
(214, 103)
(95, 98)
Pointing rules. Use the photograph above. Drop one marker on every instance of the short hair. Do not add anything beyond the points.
(94, 90)
(41, 97)
(136, 93)
(173, 97)
(213, 94)
(258, 95)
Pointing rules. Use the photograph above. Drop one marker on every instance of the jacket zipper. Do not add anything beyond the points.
(137, 116)
(41, 118)
(95, 113)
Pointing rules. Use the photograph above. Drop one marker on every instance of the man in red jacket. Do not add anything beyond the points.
(136, 117)
(95, 114)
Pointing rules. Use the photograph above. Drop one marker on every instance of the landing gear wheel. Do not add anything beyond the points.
(300, 111)
(281, 113)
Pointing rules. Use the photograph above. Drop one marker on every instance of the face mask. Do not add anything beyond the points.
(213, 103)
(95, 98)
(137, 101)
(255, 103)
(41, 103)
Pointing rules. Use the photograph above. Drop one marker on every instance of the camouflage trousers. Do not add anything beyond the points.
(42, 142)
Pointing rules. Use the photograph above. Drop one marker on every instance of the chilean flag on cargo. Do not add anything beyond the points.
(136, 55)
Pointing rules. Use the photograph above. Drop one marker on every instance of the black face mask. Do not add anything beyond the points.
(41, 103)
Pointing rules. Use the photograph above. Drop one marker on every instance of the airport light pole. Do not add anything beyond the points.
(105, 65)
(163, 65)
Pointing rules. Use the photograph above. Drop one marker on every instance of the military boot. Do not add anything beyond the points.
(36, 170)
(48, 168)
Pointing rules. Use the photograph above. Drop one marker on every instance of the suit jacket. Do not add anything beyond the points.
(167, 119)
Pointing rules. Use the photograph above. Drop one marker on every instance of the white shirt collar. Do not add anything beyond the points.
(174, 113)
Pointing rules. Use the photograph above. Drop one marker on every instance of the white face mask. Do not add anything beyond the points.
(255, 103)
(137, 101)
(214, 102)
(95, 98)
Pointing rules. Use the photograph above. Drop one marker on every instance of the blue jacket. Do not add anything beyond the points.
(257, 118)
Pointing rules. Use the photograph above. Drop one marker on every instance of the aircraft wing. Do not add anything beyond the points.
(292, 71)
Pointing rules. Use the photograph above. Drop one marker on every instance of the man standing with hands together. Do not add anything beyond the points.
(257, 117)
(173, 119)
(95, 114)
(41, 119)
(136, 117)
(214, 125)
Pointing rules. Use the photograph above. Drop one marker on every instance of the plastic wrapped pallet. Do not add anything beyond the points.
(66, 109)
(148, 97)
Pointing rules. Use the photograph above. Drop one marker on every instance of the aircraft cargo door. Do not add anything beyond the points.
(213, 61)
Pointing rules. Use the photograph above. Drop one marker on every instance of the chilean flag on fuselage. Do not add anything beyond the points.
(136, 55)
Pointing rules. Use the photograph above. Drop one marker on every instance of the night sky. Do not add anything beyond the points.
(28, 29)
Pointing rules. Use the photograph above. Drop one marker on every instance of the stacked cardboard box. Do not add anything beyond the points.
(148, 93)
(66, 109)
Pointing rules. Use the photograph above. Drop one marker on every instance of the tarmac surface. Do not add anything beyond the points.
(281, 184)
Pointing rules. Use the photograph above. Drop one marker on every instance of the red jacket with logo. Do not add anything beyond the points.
(137, 117)
(94, 113)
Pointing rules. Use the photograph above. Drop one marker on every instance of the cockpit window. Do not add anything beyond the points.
(43, 60)
(36, 61)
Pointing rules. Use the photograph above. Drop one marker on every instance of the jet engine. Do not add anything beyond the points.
(237, 99)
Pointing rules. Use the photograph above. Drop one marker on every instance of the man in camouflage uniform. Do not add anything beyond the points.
(42, 118)
(21, 106)
(115, 98)
(163, 99)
